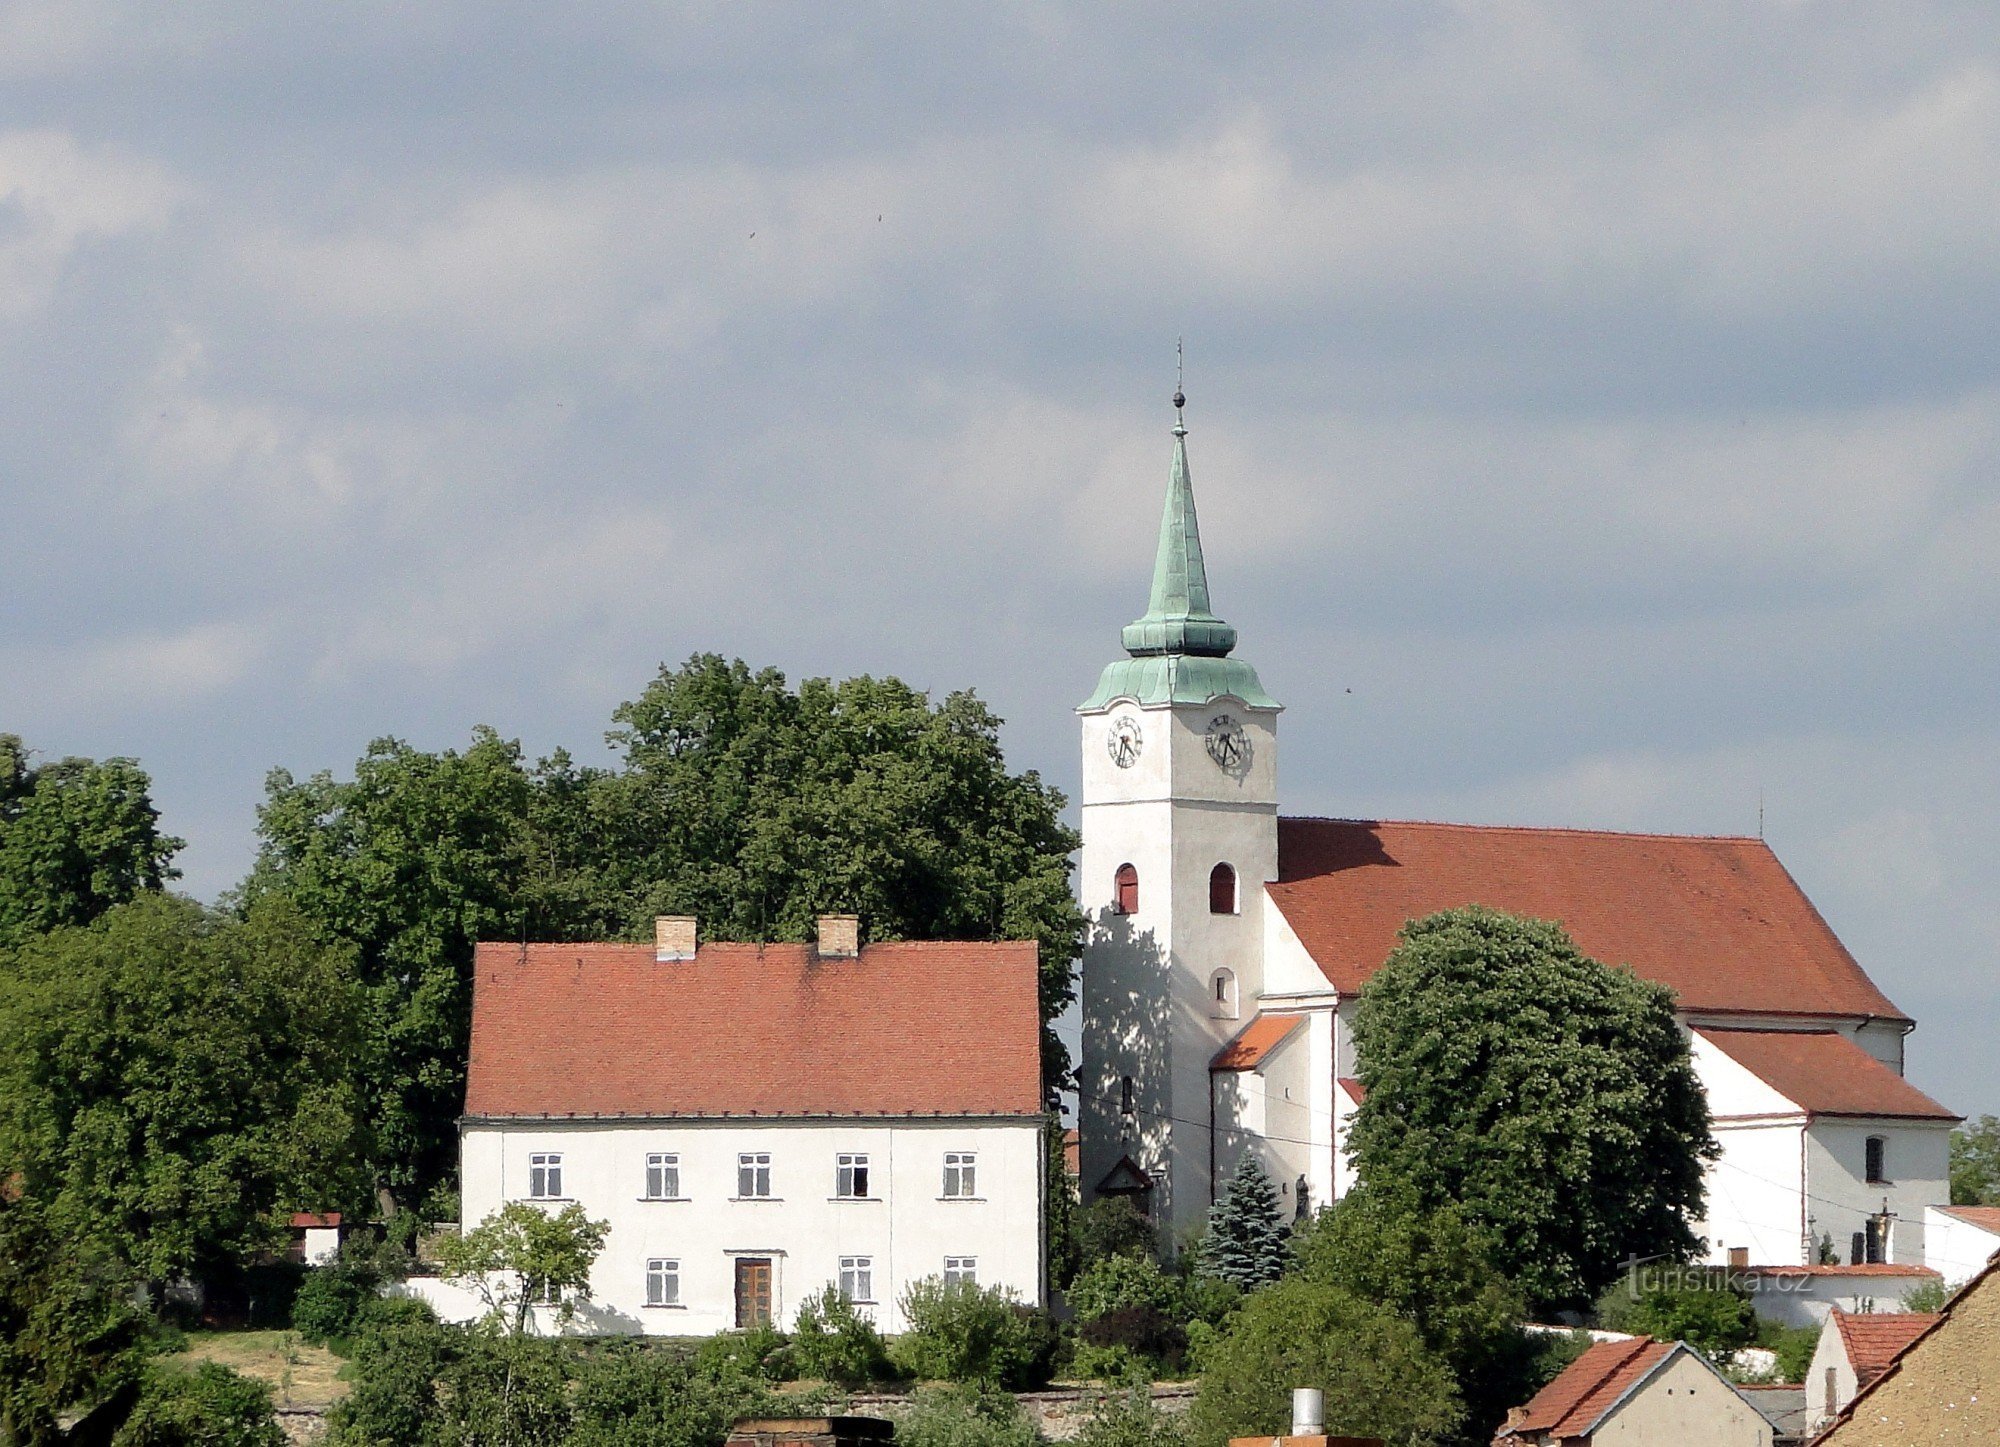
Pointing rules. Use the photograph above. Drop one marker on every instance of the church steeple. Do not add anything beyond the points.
(1177, 618)
(1179, 649)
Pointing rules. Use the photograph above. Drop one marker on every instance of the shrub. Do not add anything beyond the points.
(1131, 1340)
(210, 1406)
(1700, 1307)
(1377, 1376)
(763, 1352)
(1113, 1226)
(330, 1303)
(1928, 1296)
(634, 1394)
(1130, 1419)
(1792, 1346)
(1115, 1283)
(834, 1342)
(397, 1361)
(964, 1415)
(966, 1333)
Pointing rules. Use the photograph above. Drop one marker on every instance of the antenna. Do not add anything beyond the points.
(1180, 394)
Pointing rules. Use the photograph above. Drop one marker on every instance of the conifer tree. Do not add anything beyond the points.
(1246, 1239)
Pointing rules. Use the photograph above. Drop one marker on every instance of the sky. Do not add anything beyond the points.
(1594, 408)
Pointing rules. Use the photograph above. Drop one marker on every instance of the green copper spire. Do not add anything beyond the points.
(1180, 649)
(1177, 618)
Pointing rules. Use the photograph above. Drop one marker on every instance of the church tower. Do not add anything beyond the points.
(1180, 833)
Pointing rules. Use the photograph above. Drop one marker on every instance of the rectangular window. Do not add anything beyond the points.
(544, 1293)
(753, 1174)
(663, 1282)
(850, 1175)
(663, 1177)
(1878, 1160)
(960, 1174)
(545, 1176)
(857, 1278)
(959, 1269)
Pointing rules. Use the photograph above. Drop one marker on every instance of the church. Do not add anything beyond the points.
(1229, 943)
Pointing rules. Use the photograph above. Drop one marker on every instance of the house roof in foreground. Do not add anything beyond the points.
(1589, 1387)
(1874, 1339)
(1986, 1218)
(1954, 1351)
(1825, 1073)
(607, 1030)
(1715, 918)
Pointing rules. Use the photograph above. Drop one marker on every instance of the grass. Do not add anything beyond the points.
(298, 1375)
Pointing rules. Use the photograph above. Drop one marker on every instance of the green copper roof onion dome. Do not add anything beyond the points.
(1180, 650)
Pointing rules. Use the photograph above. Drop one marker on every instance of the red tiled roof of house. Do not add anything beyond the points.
(311, 1220)
(1356, 1091)
(935, 1028)
(1716, 919)
(1986, 1218)
(1824, 1073)
(1256, 1040)
(1588, 1387)
(1875, 1339)
(1870, 1268)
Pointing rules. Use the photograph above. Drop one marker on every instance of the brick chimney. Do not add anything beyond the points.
(839, 936)
(673, 937)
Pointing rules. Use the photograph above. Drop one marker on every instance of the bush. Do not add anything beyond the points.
(1131, 1342)
(1926, 1296)
(966, 1333)
(1700, 1307)
(396, 1365)
(329, 1304)
(1113, 1226)
(762, 1352)
(1130, 1419)
(1115, 1283)
(633, 1394)
(1377, 1376)
(964, 1415)
(834, 1342)
(1793, 1346)
(210, 1406)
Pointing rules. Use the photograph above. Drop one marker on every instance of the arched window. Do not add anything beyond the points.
(1878, 1160)
(1126, 899)
(1222, 890)
(1222, 994)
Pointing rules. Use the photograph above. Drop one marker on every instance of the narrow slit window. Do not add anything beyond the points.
(1222, 889)
(1222, 987)
(1125, 898)
(1877, 1152)
(1126, 1105)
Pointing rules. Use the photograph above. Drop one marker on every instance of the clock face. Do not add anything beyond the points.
(1124, 741)
(1228, 744)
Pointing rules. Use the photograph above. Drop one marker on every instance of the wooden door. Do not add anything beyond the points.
(753, 1291)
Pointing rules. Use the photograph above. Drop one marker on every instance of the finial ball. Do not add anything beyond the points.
(1179, 401)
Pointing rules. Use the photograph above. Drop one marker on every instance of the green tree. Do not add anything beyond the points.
(1377, 1377)
(69, 1335)
(77, 836)
(1701, 1307)
(1550, 1096)
(210, 1406)
(631, 1394)
(522, 1256)
(175, 1082)
(1436, 1271)
(1113, 1226)
(1246, 1238)
(961, 1332)
(1975, 1163)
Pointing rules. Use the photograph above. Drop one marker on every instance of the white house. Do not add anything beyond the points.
(1960, 1240)
(1229, 945)
(757, 1122)
(1854, 1349)
(1637, 1391)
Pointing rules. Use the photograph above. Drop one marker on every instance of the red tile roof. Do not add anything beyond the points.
(314, 1220)
(1875, 1339)
(1717, 919)
(1258, 1039)
(1356, 1091)
(1986, 1218)
(1873, 1268)
(743, 1029)
(1588, 1387)
(1825, 1073)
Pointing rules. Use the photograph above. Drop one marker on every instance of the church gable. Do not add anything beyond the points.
(1718, 920)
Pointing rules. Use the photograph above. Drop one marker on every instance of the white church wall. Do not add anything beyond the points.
(1755, 1199)
(1954, 1248)
(1290, 973)
(905, 1229)
(1918, 1171)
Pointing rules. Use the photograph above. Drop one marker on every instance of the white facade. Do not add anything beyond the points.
(1955, 1247)
(1151, 977)
(932, 1196)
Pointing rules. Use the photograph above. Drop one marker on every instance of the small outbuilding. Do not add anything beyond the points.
(1854, 1349)
(1637, 1391)
(1943, 1386)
